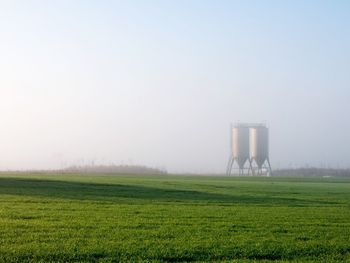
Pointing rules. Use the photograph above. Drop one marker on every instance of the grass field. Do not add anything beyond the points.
(61, 218)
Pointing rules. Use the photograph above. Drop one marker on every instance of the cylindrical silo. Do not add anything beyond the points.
(240, 144)
(259, 145)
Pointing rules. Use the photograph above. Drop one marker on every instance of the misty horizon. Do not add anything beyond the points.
(158, 83)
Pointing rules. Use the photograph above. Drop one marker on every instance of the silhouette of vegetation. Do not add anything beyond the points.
(326, 172)
(113, 169)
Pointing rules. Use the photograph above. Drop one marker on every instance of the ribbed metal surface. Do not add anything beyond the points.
(259, 145)
(240, 145)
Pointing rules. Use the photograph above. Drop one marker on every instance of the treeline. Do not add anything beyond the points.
(312, 172)
(114, 169)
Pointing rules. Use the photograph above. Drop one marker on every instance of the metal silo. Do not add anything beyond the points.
(239, 147)
(259, 147)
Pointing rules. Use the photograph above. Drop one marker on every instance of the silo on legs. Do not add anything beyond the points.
(239, 148)
(259, 149)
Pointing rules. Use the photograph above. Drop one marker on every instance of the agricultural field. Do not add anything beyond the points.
(83, 218)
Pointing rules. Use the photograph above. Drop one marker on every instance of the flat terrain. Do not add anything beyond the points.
(62, 218)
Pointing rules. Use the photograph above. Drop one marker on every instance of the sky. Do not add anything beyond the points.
(158, 83)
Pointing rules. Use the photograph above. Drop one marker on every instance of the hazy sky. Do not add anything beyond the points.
(158, 82)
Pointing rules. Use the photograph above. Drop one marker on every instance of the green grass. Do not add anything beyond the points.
(61, 218)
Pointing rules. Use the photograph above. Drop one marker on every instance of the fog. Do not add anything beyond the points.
(158, 83)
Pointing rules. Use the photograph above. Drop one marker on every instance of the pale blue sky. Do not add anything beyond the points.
(158, 82)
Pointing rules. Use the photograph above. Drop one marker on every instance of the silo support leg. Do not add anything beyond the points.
(270, 170)
(230, 170)
(250, 169)
(229, 166)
